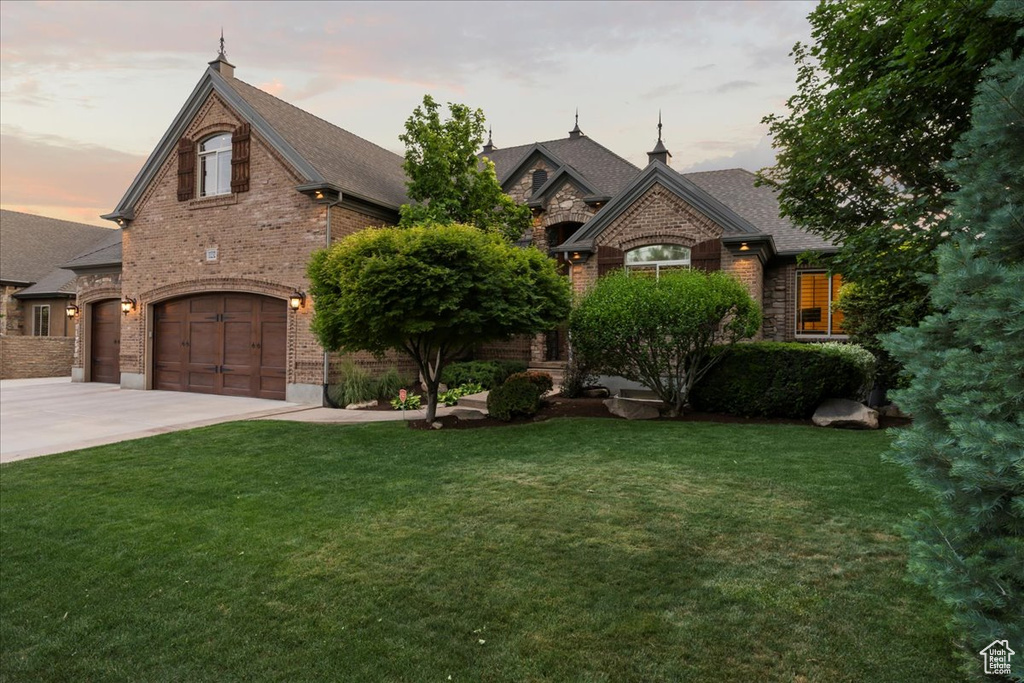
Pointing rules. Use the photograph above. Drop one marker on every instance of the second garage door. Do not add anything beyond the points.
(228, 343)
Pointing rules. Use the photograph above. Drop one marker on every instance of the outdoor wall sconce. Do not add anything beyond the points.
(578, 258)
(71, 310)
(319, 194)
(744, 247)
(296, 300)
(127, 305)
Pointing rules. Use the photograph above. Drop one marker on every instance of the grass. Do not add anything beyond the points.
(571, 550)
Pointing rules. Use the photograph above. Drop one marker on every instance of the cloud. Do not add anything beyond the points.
(733, 86)
(26, 91)
(752, 158)
(51, 171)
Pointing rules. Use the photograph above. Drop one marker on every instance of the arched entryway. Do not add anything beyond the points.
(229, 343)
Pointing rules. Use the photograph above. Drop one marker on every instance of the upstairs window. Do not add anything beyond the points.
(41, 321)
(215, 165)
(657, 258)
(815, 294)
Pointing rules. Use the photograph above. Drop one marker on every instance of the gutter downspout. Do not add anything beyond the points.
(327, 402)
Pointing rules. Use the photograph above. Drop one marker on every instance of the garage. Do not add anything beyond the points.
(232, 344)
(105, 335)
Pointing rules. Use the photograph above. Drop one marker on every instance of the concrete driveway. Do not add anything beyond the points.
(43, 416)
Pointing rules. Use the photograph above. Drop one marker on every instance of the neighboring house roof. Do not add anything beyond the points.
(605, 170)
(321, 153)
(735, 188)
(31, 247)
(106, 252)
(658, 173)
(58, 282)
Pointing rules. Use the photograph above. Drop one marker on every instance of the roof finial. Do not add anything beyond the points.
(660, 152)
(576, 132)
(489, 147)
(222, 54)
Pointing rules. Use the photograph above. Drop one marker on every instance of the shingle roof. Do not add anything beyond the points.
(735, 188)
(106, 252)
(31, 247)
(603, 168)
(355, 165)
(58, 282)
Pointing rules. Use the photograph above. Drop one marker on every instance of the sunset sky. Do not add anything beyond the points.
(87, 89)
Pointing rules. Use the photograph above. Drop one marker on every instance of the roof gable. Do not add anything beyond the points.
(658, 173)
(605, 171)
(565, 173)
(319, 152)
(533, 152)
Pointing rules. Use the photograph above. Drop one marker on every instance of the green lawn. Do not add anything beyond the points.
(570, 550)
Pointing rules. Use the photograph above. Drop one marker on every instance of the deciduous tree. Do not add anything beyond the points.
(448, 182)
(431, 292)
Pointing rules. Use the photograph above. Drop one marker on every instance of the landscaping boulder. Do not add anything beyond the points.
(845, 414)
(632, 409)
(596, 392)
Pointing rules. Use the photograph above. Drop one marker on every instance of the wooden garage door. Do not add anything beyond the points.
(230, 344)
(105, 347)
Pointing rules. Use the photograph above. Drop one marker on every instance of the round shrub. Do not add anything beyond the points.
(516, 397)
(541, 380)
(773, 379)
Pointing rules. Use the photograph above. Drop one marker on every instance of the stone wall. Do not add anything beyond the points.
(13, 322)
(23, 357)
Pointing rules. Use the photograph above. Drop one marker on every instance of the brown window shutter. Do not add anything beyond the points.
(186, 170)
(240, 159)
(609, 259)
(707, 256)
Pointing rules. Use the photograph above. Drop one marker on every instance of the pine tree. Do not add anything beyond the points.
(966, 446)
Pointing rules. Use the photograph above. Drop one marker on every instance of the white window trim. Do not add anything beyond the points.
(658, 265)
(813, 336)
(38, 307)
(217, 155)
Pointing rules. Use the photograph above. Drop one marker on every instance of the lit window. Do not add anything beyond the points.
(41, 321)
(657, 258)
(215, 165)
(815, 293)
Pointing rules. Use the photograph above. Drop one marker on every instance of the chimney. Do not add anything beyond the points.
(576, 132)
(660, 152)
(221, 64)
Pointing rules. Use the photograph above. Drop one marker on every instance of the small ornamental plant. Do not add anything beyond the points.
(406, 401)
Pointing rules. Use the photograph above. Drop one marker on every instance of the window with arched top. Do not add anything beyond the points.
(654, 259)
(215, 165)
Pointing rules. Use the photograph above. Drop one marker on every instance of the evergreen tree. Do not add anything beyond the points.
(966, 446)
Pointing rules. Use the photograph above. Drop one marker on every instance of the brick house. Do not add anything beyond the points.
(36, 335)
(207, 292)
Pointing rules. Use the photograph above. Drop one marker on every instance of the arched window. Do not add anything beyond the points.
(215, 165)
(656, 258)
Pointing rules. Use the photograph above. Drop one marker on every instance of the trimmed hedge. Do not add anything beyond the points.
(518, 396)
(487, 373)
(775, 379)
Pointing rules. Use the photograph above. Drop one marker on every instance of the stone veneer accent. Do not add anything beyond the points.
(23, 357)
(13, 320)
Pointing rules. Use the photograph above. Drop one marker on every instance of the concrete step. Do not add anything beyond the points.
(478, 401)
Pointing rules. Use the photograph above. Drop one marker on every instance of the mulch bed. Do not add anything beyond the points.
(558, 406)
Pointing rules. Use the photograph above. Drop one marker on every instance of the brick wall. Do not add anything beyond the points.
(23, 357)
(263, 240)
(517, 348)
(749, 271)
